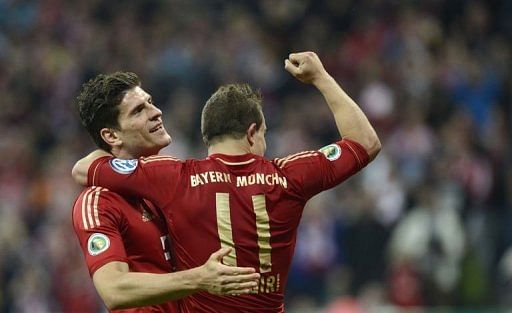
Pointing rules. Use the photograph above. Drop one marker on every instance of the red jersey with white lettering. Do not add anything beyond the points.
(245, 202)
(111, 228)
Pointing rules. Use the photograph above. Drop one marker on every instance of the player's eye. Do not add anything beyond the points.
(138, 109)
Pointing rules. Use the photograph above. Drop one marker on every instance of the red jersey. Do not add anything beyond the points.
(245, 202)
(111, 228)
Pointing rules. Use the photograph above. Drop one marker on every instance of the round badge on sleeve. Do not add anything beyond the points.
(98, 243)
(332, 152)
(123, 166)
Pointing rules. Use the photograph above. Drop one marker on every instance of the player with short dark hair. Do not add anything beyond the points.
(125, 240)
(236, 198)
(229, 111)
(98, 103)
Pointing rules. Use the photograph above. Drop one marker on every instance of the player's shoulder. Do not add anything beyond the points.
(99, 198)
(97, 192)
(160, 159)
(84, 194)
(128, 166)
(204, 164)
(296, 158)
(95, 206)
(330, 152)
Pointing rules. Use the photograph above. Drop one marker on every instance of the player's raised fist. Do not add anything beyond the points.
(305, 66)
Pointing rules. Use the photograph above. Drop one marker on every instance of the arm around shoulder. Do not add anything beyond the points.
(81, 168)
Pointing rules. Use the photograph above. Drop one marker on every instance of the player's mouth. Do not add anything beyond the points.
(157, 128)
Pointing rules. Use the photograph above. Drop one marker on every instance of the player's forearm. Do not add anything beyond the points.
(350, 120)
(81, 168)
(132, 289)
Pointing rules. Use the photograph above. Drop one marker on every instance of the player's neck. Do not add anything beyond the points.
(125, 154)
(230, 147)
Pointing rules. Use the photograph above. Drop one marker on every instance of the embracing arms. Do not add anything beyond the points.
(81, 168)
(119, 288)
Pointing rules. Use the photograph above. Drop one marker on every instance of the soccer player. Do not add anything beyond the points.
(125, 240)
(236, 198)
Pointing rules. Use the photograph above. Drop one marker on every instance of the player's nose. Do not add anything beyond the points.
(155, 112)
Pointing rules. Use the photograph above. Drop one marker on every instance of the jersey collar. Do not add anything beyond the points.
(242, 159)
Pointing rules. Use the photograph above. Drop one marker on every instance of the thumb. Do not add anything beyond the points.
(219, 254)
(290, 67)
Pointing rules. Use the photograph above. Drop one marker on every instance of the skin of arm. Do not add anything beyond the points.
(351, 122)
(119, 288)
(81, 168)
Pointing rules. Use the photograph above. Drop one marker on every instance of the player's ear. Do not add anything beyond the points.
(251, 132)
(110, 136)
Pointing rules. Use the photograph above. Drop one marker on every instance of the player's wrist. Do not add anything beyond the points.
(195, 279)
(323, 81)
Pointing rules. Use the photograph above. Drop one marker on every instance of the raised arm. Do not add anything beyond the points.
(119, 288)
(81, 168)
(351, 122)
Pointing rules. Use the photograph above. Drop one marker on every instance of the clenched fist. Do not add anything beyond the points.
(306, 67)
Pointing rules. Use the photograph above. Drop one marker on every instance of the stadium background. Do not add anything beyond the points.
(427, 225)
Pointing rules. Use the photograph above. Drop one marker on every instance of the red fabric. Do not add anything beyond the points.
(188, 193)
(134, 236)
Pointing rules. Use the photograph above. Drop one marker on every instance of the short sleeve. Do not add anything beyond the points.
(98, 225)
(311, 172)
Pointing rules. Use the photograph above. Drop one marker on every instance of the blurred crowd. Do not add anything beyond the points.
(428, 224)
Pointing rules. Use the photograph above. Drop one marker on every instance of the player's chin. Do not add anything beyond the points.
(161, 135)
(159, 142)
(164, 139)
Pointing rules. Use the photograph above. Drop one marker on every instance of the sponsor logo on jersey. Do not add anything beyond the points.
(123, 166)
(332, 152)
(97, 243)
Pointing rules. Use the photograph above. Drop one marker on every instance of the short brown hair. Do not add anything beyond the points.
(98, 102)
(230, 111)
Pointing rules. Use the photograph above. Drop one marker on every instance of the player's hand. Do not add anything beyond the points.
(221, 279)
(306, 67)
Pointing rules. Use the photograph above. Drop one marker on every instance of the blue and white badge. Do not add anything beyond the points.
(332, 152)
(97, 243)
(123, 166)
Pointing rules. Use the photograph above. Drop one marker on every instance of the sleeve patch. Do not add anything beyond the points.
(123, 166)
(97, 244)
(332, 152)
